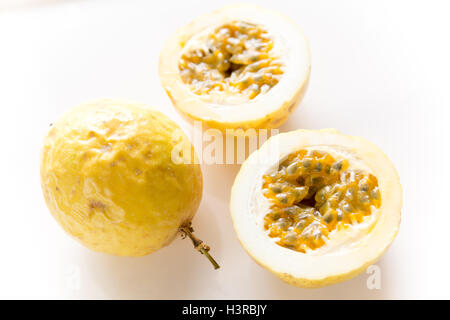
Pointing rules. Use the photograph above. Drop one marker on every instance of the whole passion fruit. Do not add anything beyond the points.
(111, 179)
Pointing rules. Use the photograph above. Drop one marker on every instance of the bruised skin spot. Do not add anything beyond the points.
(236, 58)
(96, 204)
(312, 194)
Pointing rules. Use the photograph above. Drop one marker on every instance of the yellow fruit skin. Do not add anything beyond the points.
(108, 177)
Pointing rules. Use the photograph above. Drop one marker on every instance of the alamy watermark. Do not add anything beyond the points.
(373, 281)
(73, 277)
(217, 147)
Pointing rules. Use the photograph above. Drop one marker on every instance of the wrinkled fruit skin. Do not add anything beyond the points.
(109, 180)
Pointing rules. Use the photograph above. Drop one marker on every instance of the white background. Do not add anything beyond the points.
(380, 70)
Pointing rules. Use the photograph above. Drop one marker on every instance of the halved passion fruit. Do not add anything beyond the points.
(324, 209)
(238, 67)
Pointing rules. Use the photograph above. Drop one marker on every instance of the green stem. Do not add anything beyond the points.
(199, 245)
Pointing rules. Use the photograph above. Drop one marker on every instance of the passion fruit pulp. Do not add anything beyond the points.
(239, 60)
(313, 194)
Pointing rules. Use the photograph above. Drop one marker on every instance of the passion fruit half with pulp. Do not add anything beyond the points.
(112, 179)
(239, 67)
(321, 211)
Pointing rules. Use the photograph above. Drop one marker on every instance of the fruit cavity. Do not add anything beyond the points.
(236, 58)
(312, 194)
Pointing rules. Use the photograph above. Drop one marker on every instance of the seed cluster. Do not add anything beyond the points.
(236, 58)
(313, 194)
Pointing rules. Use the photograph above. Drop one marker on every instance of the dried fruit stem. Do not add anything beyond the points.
(199, 245)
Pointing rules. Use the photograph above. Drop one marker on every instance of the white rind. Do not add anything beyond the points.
(332, 265)
(295, 54)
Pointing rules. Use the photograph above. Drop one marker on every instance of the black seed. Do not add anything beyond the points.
(281, 197)
(306, 163)
(275, 187)
(275, 216)
(291, 169)
(338, 165)
(364, 187)
(316, 180)
(328, 217)
(318, 167)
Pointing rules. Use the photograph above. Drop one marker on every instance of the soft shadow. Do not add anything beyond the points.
(172, 272)
(301, 118)
(163, 274)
